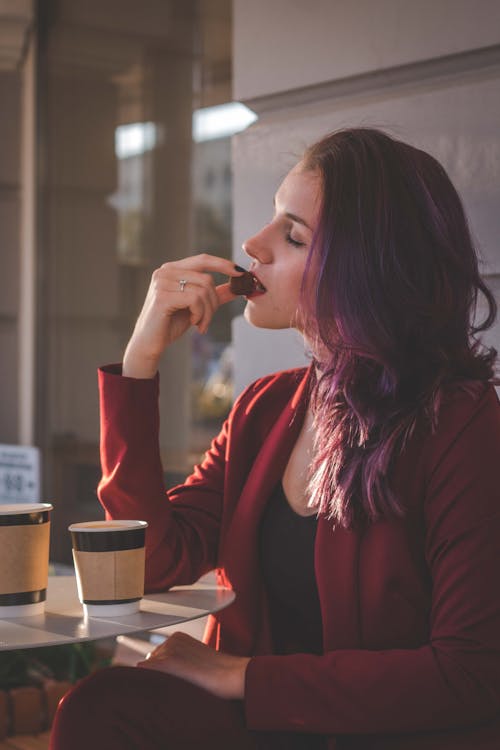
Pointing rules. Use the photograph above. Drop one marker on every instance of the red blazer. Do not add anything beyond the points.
(410, 608)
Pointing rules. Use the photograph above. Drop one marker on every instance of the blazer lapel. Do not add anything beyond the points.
(336, 550)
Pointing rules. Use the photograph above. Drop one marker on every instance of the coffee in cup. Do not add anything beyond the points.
(24, 558)
(109, 559)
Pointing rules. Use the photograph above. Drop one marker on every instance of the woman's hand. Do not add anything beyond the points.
(182, 293)
(193, 661)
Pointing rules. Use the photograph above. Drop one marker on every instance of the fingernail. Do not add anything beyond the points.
(239, 268)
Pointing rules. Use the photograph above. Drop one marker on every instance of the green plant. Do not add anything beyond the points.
(34, 666)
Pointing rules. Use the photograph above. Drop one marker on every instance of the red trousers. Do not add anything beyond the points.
(129, 708)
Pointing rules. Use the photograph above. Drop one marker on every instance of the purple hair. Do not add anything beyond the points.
(389, 294)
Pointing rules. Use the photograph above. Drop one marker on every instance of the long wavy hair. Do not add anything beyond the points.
(389, 298)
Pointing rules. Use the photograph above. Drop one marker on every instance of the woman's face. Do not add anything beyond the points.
(279, 251)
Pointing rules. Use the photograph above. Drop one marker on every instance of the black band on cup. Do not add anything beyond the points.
(24, 597)
(36, 517)
(112, 601)
(108, 541)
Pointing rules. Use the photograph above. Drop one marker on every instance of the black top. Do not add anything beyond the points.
(287, 563)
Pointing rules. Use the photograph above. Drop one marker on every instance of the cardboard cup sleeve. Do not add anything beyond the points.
(110, 576)
(24, 558)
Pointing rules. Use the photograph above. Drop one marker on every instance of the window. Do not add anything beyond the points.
(124, 187)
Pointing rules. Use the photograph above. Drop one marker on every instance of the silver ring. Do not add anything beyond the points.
(182, 284)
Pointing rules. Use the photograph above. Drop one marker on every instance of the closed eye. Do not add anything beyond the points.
(291, 241)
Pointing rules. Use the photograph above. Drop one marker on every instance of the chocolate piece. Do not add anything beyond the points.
(244, 284)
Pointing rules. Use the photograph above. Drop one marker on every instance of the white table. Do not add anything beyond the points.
(63, 620)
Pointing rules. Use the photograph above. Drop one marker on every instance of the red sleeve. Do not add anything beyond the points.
(183, 533)
(454, 679)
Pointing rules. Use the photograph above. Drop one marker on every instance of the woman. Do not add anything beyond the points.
(353, 506)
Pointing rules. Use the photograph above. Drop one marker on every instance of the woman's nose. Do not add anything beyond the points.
(247, 248)
(258, 247)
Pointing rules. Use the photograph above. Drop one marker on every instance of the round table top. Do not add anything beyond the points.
(64, 622)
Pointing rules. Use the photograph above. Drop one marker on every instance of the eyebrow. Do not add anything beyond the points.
(294, 217)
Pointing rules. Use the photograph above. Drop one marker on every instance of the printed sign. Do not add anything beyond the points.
(19, 474)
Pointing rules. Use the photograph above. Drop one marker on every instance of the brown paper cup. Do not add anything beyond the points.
(109, 561)
(24, 558)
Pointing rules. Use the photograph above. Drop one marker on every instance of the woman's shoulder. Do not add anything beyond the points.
(466, 410)
(461, 458)
(463, 397)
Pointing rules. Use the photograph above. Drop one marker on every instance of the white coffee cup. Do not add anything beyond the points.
(24, 558)
(109, 559)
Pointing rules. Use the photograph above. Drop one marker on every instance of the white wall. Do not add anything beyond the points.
(447, 105)
(285, 44)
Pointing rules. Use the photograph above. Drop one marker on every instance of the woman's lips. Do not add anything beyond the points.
(247, 285)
